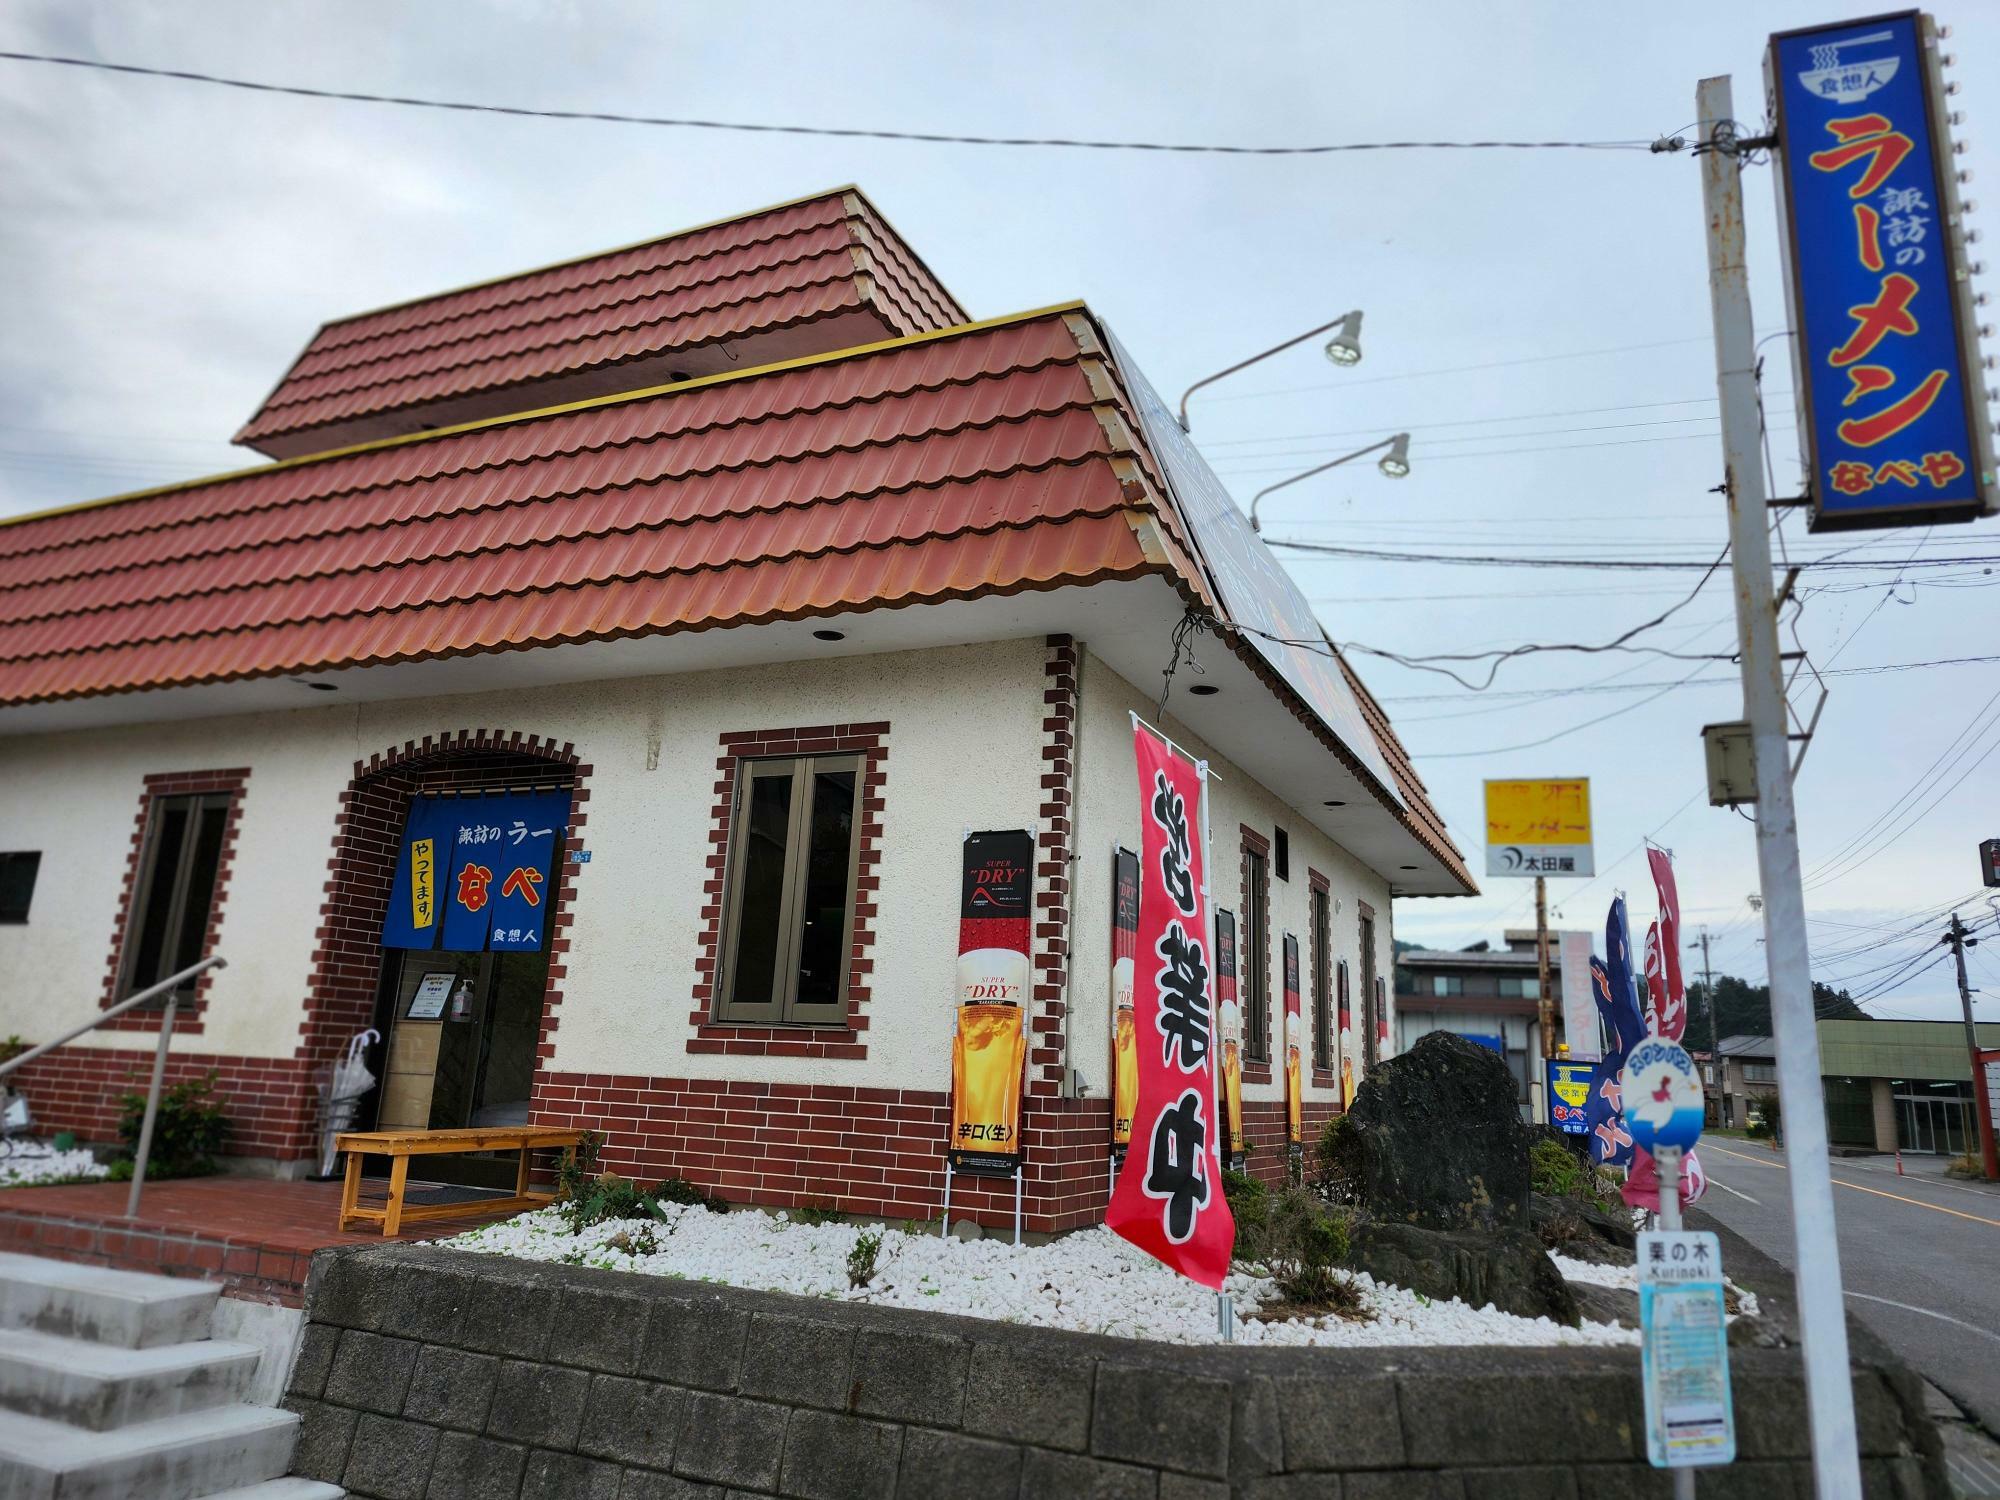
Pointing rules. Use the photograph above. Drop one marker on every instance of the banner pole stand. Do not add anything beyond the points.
(1225, 1317)
(944, 1224)
(1020, 1172)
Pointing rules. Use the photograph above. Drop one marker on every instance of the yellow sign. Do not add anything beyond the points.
(423, 871)
(1538, 827)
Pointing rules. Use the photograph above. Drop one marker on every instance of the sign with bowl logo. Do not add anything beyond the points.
(1892, 405)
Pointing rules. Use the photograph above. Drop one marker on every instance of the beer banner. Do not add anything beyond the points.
(1346, 1039)
(989, 1037)
(1295, 1099)
(1124, 1045)
(1381, 1017)
(1169, 1200)
(1229, 1015)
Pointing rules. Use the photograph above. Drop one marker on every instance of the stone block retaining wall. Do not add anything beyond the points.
(429, 1374)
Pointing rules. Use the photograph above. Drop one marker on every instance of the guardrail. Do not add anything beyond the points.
(168, 987)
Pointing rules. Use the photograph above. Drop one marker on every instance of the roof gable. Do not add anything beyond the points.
(801, 278)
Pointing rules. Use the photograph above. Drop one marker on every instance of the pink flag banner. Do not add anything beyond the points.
(1169, 1199)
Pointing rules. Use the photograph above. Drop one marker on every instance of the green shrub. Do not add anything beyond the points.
(578, 1168)
(680, 1190)
(1338, 1157)
(1558, 1172)
(1770, 1118)
(610, 1196)
(1249, 1205)
(188, 1131)
(826, 1211)
(1300, 1242)
(861, 1259)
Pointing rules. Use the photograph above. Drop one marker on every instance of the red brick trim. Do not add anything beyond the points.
(735, 1039)
(368, 821)
(1258, 1069)
(77, 1088)
(1264, 1126)
(173, 784)
(1047, 1062)
(873, 1151)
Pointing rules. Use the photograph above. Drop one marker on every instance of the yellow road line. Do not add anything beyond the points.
(1857, 1187)
(1933, 1207)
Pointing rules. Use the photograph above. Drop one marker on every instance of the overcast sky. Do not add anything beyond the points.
(1538, 319)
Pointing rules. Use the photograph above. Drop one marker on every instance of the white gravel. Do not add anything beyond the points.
(1089, 1281)
(25, 1165)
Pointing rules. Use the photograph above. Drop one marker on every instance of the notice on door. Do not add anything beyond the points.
(433, 990)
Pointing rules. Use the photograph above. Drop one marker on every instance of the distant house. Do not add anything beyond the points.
(1488, 995)
(1745, 1071)
(688, 604)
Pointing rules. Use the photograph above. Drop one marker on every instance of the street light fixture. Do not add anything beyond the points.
(1344, 349)
(1395, 464)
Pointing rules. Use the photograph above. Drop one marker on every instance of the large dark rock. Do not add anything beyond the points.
(1505, 1267)
(1435, 1138)
(1582, 1230)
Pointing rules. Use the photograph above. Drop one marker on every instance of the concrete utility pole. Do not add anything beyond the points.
(1714, 1041)
(1955, 935)
(1822, 1312)
(1545, 1010)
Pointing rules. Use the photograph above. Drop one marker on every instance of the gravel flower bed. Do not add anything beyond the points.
(33, 1165)
(1089, 1282)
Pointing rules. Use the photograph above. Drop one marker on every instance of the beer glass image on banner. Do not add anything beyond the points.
(1124, 1043)
(989, 1034)
(1295, 1123)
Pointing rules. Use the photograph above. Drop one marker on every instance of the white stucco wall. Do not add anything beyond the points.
(1108, 813)
(964, 753)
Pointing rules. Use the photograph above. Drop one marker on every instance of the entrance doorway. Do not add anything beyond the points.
(1936, 1121)
(462, 1030)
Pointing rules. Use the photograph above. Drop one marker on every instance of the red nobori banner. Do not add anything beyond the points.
(1229, 1018)
(989, 1039)
(1295, 1096)
(1169, 1198)
(1124, 1043)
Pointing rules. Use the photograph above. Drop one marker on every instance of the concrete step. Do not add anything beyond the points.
(283, 1489)
(182, 1457)
(126, 1308)
(100, 1386)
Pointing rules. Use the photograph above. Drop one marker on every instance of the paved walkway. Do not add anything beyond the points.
(255, 1234)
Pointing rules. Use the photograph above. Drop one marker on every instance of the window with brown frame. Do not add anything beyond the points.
(1256, 949)
(788, 913)
(1322, 936)
(175, 890)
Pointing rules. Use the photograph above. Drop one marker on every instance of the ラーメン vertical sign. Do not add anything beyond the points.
(1168, 1200)
(1539, 827)
(1892, 405)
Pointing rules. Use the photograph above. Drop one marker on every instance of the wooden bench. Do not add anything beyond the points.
(400, 1145)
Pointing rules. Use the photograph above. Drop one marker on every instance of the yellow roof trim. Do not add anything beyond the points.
(616, 398)
(577, 260)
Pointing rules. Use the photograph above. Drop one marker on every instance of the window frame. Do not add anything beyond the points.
(34, 859)
(783, 1009)
(140, 908)
(1254, 955)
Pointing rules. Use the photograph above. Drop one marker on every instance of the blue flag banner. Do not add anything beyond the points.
(422, 860)
(1617, 996)
(524, 872)
(1891, 396)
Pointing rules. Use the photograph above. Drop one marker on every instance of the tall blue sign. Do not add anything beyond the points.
(1892, 410)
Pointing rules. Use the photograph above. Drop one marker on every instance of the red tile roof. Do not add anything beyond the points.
(776, 269)
(946, 467)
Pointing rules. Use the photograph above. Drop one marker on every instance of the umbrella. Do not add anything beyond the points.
(342, 1093)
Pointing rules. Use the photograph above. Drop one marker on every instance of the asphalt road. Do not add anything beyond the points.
(1919, 1256)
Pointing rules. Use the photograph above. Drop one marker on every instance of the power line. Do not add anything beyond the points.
(1491, 364)
(1414, 427)
(612, 117)
(1500, 658)
(1526, 560)
(1560, 734)
(1605, 686)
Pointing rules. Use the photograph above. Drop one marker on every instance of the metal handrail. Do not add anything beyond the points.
(168, 987)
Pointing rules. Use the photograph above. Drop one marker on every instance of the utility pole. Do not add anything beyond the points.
(1822, 1311)
(1714, 1040)
(1955, 935)
(1545, 1010)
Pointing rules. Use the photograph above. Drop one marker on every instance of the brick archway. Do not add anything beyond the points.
(346, 963)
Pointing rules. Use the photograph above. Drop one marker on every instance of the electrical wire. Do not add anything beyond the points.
(1500, 658)
(1525, 560)
(612, 117)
